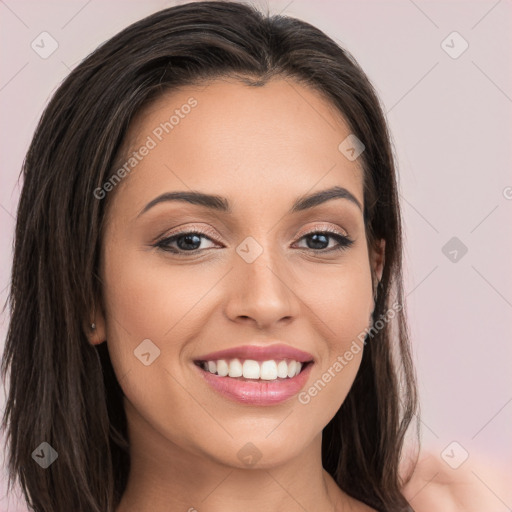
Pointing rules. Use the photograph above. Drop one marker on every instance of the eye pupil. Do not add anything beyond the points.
(315, 237)
(189, 238)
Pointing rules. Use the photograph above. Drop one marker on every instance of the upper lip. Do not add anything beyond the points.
(259, 353)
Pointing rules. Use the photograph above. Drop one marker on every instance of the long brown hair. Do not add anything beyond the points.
(63, 390)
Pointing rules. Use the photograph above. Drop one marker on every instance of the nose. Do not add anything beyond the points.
(262, 292)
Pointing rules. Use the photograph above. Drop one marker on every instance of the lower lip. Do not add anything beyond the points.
(257, 392)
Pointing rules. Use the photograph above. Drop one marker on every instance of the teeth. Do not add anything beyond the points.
(250, 369)
(222, 368)
(235, 368)
(269, 370)
(282, 370)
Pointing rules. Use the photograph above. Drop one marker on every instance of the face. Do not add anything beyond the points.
(259, 273)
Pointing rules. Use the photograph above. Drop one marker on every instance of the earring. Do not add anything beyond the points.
(93, 325)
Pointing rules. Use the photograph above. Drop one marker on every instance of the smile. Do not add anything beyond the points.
(253, 370)
(256, 375)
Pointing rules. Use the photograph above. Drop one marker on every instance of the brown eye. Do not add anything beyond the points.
(184, 242)
(318, 241)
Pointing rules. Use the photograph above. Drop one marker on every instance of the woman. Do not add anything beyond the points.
(207, 271)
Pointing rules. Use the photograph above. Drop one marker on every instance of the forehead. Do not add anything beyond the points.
(237, 140)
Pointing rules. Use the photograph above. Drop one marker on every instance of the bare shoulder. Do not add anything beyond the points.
(474, 486)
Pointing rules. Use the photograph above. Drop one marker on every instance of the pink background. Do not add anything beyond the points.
(450, 120)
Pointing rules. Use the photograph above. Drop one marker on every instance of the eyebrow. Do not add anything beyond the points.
(221, 204)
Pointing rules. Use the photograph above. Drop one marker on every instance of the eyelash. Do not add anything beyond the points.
(343, 241)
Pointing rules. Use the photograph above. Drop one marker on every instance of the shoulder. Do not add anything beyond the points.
(474, 486)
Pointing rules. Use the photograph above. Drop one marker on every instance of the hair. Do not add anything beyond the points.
(63, 389)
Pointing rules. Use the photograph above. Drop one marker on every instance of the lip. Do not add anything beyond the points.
(259, 353)
(257, 392)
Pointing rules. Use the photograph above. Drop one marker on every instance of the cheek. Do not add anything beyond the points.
(342, 303)
(150, 309)
(340, 297)
(149, 300)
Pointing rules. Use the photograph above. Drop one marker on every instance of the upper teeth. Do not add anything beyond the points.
(250, 369)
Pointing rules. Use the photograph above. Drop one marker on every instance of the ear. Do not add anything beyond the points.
(96, 334)
(377, 259)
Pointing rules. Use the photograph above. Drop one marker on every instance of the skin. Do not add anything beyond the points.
(478, 484)
(261, 148)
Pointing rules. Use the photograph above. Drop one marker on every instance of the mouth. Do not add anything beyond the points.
(246, 370)
(256, 375)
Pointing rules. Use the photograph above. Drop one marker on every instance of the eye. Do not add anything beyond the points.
(186, 241)
(320, 238)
